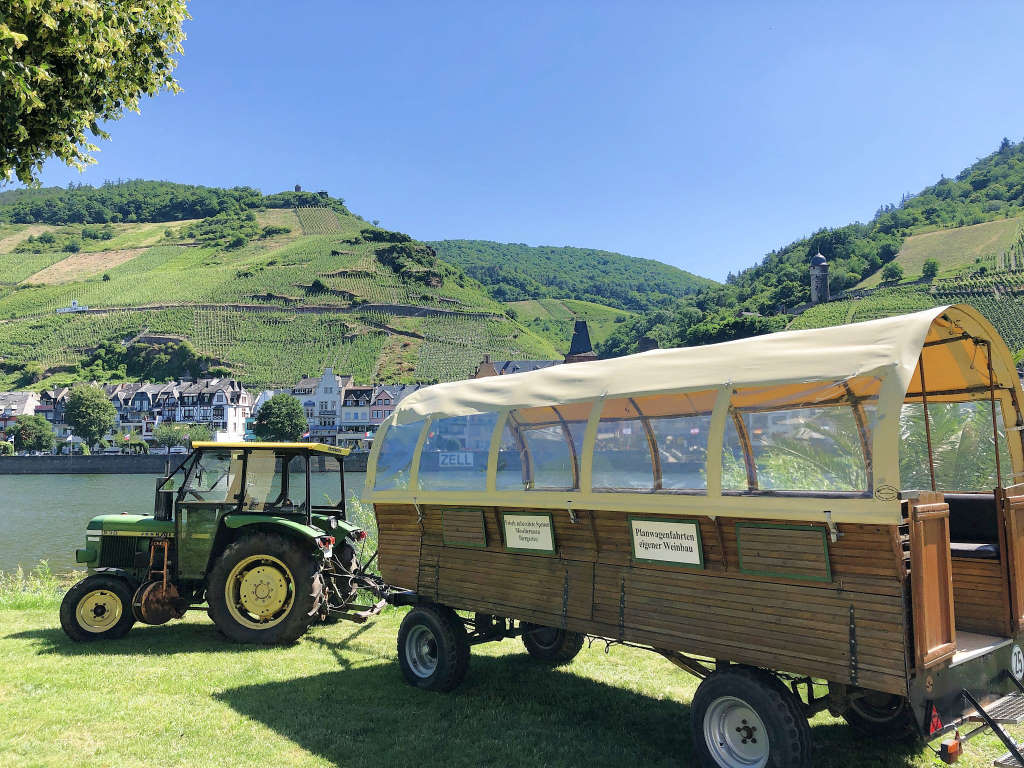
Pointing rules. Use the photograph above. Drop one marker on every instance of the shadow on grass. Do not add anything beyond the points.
(153, 641)
(509, 711)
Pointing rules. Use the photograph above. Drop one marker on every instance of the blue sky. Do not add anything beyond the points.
(702, 135)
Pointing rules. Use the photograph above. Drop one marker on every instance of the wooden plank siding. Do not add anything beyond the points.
(593, 584)
(980, 599)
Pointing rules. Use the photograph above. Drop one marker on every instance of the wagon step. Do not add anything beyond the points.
(1009, 710)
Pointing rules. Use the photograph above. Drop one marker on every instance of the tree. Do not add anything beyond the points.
(930, 269)
(68, 66)
(89, 413)
(168, 435)
(280, 418)
(33, 433)
(197, 433)
(892, 271)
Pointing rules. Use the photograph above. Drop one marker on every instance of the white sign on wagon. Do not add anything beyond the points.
(667, 541)
(528, 531)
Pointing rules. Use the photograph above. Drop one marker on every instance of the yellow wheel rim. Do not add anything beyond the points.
(98, 611)
(259, 592)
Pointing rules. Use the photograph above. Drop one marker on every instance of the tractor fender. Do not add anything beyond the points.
(118, 573)
(273, 521)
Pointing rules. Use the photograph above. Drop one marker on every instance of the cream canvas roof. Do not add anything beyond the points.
(888, 349)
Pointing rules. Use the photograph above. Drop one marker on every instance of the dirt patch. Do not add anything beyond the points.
(7, 242)
(79, 266)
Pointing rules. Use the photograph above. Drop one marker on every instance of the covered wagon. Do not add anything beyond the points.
(808, 520)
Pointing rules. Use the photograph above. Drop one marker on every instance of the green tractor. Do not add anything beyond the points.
(255, 531)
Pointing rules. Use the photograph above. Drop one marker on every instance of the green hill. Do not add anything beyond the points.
(553, 319)
(958, 250)
(517, 272)
(262, 287)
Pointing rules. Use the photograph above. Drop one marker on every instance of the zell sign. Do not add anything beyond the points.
(455, 459)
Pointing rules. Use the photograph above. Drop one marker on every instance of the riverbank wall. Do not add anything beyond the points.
(155, 464)
(151, 464)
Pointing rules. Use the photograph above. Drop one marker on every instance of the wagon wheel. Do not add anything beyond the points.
(884, 715)
(263, 589)
(550, 645)
(433, 650)
(746, 718)
(99, 607)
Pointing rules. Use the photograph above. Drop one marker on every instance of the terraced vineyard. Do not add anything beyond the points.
(553, 319)
(279, 306)
(318, 221)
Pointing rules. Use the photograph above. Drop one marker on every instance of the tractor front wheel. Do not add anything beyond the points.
(263, 589)
(99, 607)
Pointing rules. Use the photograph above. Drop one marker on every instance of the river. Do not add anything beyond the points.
(43, 517)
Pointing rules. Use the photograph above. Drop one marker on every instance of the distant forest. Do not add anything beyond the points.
(516, 272)
(144, 201)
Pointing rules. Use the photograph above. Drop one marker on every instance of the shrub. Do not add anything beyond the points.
(892, 271)
(72, 246)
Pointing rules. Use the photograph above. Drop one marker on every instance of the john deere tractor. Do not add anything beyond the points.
(255, 531)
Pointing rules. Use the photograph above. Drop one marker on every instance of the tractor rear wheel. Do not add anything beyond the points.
(99, 607)
(263, 589)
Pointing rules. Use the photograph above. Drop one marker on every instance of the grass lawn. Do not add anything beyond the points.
(180, 695)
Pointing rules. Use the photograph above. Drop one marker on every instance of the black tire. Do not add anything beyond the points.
(722, 725)
(550, 645)
(883, 715)
(99, 595)
(292, 618)
(433, 650)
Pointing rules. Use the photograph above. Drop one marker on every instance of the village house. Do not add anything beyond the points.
(15, 404)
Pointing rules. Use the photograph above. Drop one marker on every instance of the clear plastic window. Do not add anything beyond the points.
(963, 448)
(395, 459)
(513, 472)
(622, 451)
(807, 449)
(274, 482)
(550, 459)
(454, 455)
(216, 477)
(734, 468)
(325, 480)
(682, 450)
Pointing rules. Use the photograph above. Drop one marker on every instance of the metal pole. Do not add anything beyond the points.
(927, 422)
(992, 401)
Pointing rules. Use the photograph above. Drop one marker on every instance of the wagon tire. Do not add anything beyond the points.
(433, 650)
(263, 589)
(883, 715)
(551, 646)
(745, 717)
(99, 607)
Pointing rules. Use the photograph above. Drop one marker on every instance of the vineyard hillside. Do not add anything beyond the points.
(258, 288)
(554, 319)
(956, 250)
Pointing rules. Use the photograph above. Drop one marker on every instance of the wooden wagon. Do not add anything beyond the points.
(808, 520)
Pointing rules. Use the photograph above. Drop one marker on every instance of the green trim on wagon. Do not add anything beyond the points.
(781, 574)
(474, 544)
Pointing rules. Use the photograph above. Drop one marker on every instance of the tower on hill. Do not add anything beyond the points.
(819, 279)
(580, 349)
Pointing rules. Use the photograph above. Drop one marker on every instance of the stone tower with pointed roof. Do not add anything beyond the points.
(819, 279)
(580, 349)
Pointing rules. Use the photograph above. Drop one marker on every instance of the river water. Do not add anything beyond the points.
(43, 517)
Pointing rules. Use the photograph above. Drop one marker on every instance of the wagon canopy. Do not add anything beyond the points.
(766, 426)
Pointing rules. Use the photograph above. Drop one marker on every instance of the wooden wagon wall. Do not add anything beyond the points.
(797, 621)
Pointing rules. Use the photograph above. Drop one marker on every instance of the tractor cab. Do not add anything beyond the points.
(256, 531)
